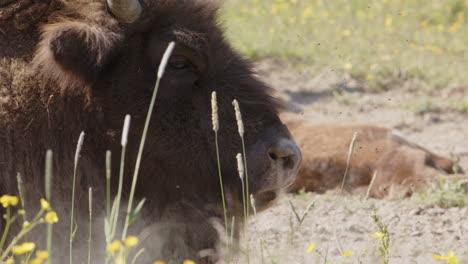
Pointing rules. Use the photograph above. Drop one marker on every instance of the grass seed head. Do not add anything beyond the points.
(126, 128)
(79, 146)
(240, 124)
(214, 112)
(240, 165)
(165, 58)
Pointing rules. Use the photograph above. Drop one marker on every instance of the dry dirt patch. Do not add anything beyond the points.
(335, 221)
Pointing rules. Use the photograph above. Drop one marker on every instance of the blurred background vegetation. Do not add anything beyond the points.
(378, 41)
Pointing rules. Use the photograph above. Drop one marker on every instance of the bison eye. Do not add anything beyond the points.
(179, 62)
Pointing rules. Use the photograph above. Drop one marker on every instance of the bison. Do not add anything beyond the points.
(400, 166)
(82, 65)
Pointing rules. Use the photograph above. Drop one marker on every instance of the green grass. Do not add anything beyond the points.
(447, 193)
(377, 41)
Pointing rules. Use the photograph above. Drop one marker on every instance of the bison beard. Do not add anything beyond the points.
(79, 68)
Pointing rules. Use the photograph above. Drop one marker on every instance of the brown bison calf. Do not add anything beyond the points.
(400, 166)
(84, 64)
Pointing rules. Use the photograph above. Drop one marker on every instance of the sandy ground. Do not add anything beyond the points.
(343, 222)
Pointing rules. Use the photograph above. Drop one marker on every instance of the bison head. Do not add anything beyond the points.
(88, 53)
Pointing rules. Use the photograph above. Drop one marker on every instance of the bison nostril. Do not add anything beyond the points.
(286, 153)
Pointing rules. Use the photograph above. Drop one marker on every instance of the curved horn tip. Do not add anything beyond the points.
(127, 11)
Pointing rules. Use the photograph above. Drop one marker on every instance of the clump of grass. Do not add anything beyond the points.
(73, 226)
(383, 237)
(422, 107)
(462, 106)
(299, 218)
(46, 215)
(446, 193)
(215, 122)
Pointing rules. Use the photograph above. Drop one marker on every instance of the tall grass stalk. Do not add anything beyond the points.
(348, 160)
(162, 67)
(240, 169)
(19, 180)
(108, 180)
(90, 231)
(241, 131)
(48, 193)
(139, 252)
(108, 219)
(246, 195)
(77, 157)
(6, 229)
(116, 206)
(215, 121)
(348, 164)
(374, 176)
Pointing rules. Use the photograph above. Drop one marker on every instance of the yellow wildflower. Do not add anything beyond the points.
(131, 241)
(454, 27)
(346, 33)
(51, 217)
(388, 21)
(159, 262)
(8, 200)
(347, 254)
(42, 254)
(424, 23)
(21, 211)
(188, 261)
(274, 9)
(307, 12)
(10, 261)
(114, 246)
(449, 258)
(311, 247)
(377, 235)
(440, 27)
(26, 224)
(35, 261)
(45, 204)
(23, 248)
(348, 66)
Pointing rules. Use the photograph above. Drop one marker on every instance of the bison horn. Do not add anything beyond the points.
(125, 10)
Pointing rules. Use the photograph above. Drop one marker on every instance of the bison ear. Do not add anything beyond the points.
(74, 53)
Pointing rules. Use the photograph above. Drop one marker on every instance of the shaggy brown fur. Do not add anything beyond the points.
(21, 14)
(401, 166)
(80, 69)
